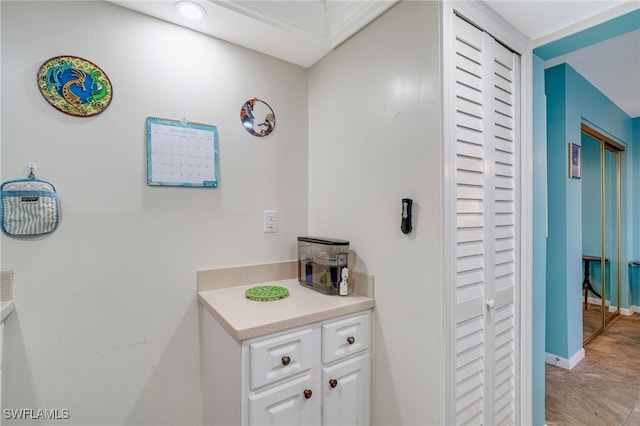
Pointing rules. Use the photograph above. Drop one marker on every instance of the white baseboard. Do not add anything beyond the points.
(623, 311)
(596, 301)
(567, 364)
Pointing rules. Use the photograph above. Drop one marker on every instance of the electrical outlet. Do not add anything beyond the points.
(270, 221)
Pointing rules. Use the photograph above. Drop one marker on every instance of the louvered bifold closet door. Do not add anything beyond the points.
(486, 247)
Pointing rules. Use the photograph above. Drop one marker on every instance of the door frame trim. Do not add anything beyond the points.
(485, 18)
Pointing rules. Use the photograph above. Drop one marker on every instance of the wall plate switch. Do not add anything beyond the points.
(270, 221)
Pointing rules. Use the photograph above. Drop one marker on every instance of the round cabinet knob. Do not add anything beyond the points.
(491, 304)
(333, 383)
(307, 393)
(286, 360)
(351, 340)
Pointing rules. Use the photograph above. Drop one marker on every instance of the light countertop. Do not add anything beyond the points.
(244, 319)
(6, 307)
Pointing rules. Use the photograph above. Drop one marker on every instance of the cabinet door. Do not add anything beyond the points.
(297, 402)
(346, 389)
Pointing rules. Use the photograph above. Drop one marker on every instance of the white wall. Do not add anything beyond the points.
(106, 320)
(374, 138)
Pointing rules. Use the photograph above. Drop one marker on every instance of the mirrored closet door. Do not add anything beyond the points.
(600, 175)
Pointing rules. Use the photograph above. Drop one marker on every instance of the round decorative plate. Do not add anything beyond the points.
(257, 117)
(75, 86)
(267, 292)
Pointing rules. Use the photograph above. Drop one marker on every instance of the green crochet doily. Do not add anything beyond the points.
(267, 292)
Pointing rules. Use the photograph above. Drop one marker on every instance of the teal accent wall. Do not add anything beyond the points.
(553, 316)
(539, 241)
(557, 275)
(634, 271)
(571, 101)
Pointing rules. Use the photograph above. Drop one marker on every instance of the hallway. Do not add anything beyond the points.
(604, 388)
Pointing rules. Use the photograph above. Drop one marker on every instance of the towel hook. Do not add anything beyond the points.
(32, 169)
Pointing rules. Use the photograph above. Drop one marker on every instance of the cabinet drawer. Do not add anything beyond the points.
(280, 357)
(344, 337)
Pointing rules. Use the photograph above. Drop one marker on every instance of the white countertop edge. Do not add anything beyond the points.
(355, 303)
(6, 307)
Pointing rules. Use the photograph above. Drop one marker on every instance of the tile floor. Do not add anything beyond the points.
(604, 388)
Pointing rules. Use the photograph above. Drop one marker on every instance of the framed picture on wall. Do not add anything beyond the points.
(574, 161)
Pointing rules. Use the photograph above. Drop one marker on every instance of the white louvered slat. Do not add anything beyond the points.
(504, 96)
(469, 93)
(467, 235)
(503, 133)
(469, 221)
(469, 206)
(469, 355)
(504, 109)
(504, 182)
(505, 232)
(470, 192)
(467, 79)
(503, 145)
(470, 249)
(504, 257)
(503, 244)
(504, 194)
(503, 85)
(503, 121)
(470, 263)
(468, 65)
(470, 299)
(469, 408)
(503, 157)
(469, 149)
(471, 414)
(504, 170)
(469, 121)
(504, 207)
(468, 107)
(504, 282)
(486, 168)
(470, 341)
(504, 269)
(468, 278)
(470, 136)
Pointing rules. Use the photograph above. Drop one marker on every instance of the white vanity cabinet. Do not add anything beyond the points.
(318, 374)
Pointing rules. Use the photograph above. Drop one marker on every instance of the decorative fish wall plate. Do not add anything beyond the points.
(75, 86)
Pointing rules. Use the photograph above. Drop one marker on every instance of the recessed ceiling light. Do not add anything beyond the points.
(190, 10)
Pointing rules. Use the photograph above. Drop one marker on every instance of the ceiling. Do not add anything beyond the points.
(297, 31)
(614, 57)
(610, 65)
(303, 31)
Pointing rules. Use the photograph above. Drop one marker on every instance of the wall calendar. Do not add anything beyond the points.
(181, 153)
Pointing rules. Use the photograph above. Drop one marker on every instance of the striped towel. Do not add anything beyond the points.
(29, 207)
